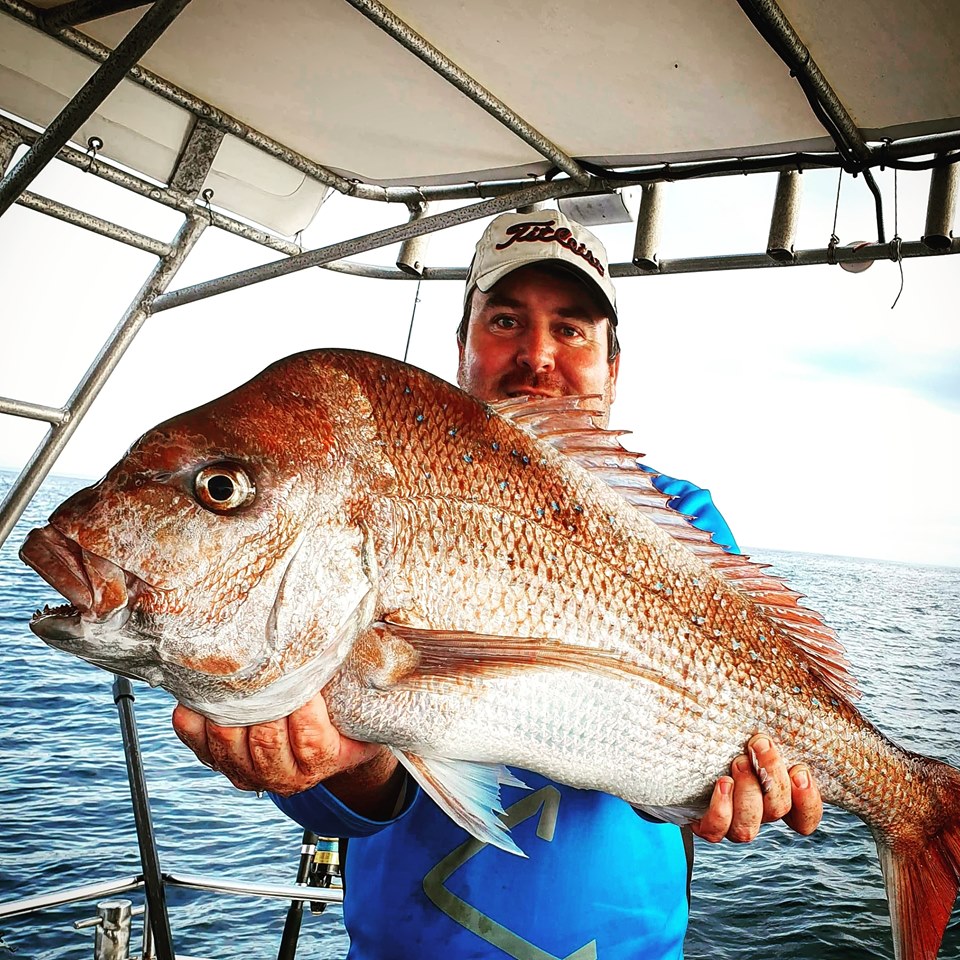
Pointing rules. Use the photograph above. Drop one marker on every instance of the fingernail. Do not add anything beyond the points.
(726, 787)
(762, 744)
(801, 777)
(741, 765)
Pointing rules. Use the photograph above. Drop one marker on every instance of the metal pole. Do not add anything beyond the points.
(149, 859)
(941, 203)
(776, 29)
(133, 46)
(32, 411)
(648, 226)
(93, 380)
(433, 58)
(246, 888)
(801, 258)
(783, 220)
(88, 891)
(370, 241)
(80, 218)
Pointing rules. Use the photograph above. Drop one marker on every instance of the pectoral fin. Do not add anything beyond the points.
(418, 656)
(468, 793)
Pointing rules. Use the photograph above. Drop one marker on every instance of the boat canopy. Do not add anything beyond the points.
(303, 96)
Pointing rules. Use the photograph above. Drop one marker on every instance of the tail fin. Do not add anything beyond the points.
(922, 874)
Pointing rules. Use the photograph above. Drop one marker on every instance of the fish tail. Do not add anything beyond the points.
(921, 864)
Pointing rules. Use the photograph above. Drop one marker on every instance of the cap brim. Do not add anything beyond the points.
(487, 281)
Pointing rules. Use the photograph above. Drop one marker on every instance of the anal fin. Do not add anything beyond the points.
(467, 792)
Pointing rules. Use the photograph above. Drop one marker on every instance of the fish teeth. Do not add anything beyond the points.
(64, 609)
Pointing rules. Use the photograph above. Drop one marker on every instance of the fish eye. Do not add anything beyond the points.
(224, 487)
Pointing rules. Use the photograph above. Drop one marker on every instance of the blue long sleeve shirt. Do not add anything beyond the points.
(601, 882)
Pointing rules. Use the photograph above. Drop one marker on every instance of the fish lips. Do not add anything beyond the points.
(99, 593)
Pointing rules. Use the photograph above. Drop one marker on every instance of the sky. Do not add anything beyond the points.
(821, 419)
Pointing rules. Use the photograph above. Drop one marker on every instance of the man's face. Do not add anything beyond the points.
(538, 332)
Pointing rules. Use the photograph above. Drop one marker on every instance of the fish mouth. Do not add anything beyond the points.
(99, 593)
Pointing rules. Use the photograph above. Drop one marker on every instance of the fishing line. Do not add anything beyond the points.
(896, 235)
(413, 316)
(834, 239)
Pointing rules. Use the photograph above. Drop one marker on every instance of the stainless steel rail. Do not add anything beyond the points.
(821, 255)
(278, 891)
(777, 30)
(56, 898)
(105, 228)
(32, 411)
(370, 241)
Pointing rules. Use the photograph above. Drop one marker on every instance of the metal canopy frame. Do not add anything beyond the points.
(569, 177)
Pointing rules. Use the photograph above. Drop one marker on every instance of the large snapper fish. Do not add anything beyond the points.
(478, 586)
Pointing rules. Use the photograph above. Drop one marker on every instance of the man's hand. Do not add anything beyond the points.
(293, 754)
(759, 791)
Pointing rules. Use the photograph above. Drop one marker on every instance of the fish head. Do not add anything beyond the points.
(225, 557)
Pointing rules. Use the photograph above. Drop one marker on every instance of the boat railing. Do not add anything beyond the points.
(317, 876)
(115, 913)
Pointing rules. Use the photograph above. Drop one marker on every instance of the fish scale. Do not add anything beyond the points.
(474, 585)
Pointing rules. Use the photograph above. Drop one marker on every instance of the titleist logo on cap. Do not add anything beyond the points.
(530, 232)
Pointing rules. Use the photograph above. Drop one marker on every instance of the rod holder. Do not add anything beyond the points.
(941, 203)
(647, 238)
(783, 222)
(413, 252)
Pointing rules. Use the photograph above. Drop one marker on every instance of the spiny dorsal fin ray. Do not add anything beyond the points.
(568, 424)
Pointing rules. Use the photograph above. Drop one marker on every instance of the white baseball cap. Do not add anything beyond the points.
(515, 240)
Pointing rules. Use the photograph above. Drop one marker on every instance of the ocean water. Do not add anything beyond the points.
(65, 814)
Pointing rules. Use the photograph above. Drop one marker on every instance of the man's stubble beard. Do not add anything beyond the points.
(515, 382)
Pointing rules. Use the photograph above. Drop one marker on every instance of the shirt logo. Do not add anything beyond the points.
(531, 232)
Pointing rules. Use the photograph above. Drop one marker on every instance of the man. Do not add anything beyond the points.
(601, 881)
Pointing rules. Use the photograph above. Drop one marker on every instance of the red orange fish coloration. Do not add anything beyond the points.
(456, 576)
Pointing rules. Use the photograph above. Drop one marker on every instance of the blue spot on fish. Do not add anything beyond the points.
(554, 505)
(540, 511)
(452, 431)
(467, 458)
(494, 446)
(795, 689)
(736, 644)
(420, 418)
(503, 484)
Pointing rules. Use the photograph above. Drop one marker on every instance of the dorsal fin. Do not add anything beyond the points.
(568, 425)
